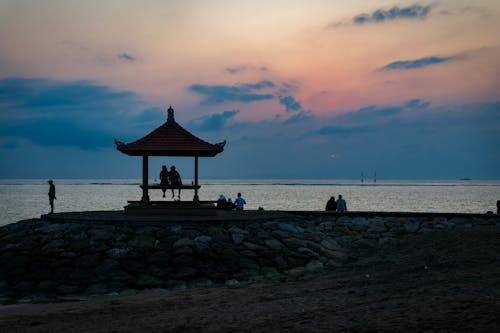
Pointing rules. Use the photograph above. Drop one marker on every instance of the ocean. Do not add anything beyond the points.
(27, 198)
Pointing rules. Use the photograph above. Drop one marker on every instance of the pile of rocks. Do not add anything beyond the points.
(43, 259)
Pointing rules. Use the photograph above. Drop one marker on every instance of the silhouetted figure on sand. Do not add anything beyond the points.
(52, 195)
(239, 202)
(175, 180)
(164, 175)
(341, 204)
(331, 205)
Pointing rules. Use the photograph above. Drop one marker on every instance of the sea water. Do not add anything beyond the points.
(22, 199)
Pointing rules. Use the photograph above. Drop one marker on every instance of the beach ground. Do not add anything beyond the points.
(444, 281)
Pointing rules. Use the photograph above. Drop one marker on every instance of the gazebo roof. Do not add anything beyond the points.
(170, 139)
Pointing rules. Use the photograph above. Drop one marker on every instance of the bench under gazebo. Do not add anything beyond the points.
(170, 139)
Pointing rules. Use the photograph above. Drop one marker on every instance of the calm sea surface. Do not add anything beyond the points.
(27, 198)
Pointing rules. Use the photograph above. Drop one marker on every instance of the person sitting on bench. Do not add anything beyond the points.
(164, 175)
(175, 180)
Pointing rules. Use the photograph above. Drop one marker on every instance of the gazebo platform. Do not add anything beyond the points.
(190, 208)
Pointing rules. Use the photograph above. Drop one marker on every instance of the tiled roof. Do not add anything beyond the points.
(170, 139)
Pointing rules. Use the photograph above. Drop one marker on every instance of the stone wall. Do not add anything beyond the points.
(42, 259)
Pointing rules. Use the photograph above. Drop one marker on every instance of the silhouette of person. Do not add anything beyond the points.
(175, 180)
(221, 202)
(239, 202)
(164, 175)
(52, 195)
(331, 205)
(341, 204)
(498, 207)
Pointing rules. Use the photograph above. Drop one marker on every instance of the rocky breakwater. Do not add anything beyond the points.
(42, 260)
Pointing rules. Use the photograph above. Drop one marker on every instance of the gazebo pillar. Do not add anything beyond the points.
(196, 198)
(145, 167)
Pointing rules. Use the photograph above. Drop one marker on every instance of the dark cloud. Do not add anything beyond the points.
(74, 96)
(290, 103)
(58, 132)
(417, 103)
(245, 68)
(395, 13)
(62, 113)
(341, 130)
(126, 57)
(213, 122)
(248, 92)
(300, 117)
(413, 64)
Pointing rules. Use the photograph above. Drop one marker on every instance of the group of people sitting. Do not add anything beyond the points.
(228, 204)
(170, 178)
(338, 205)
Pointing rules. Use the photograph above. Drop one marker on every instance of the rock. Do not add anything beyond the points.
(202, 243)
(143, 241)
(290, 228)
(148, 281)
(412, 226)
(297, 271)
(307, 252)
(269, 272)
(53, 227)
(238, 238)
(248, 253)
(176, 284)
(334, 254)
(445, 225)
(359, 224)
(246, 263)
(254, 247)
(280, 263)
(201, 283)
(183, 242)
(117, 253)
(97, 289)
(185, 273)
(232, 283)
(24, 286)
(67, 289)
(330, 244)
(314, 265)
(326, 226)
(377, 225)
(274, 244)
(174, 229)
(101, 233)
(293, 243)
(219, 235)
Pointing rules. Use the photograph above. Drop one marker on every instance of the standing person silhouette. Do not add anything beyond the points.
(164, 176)
(175, 180)
(52, 195)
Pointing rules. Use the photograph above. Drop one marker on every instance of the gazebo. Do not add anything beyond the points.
(170, 139)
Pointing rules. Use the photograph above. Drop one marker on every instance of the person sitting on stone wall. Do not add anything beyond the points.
(331, 205)
(341, 204)
(221, 202)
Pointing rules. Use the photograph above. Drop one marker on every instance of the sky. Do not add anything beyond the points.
(316, 89)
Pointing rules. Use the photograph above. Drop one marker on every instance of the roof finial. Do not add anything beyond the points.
(170, 118)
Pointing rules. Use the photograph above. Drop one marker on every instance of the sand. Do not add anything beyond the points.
(444, 281)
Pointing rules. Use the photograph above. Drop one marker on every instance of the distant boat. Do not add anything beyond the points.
(465, 178)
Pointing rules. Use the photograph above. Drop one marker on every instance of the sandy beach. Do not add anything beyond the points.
(444, 281)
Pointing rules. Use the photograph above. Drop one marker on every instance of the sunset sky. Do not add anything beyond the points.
(299, 89)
